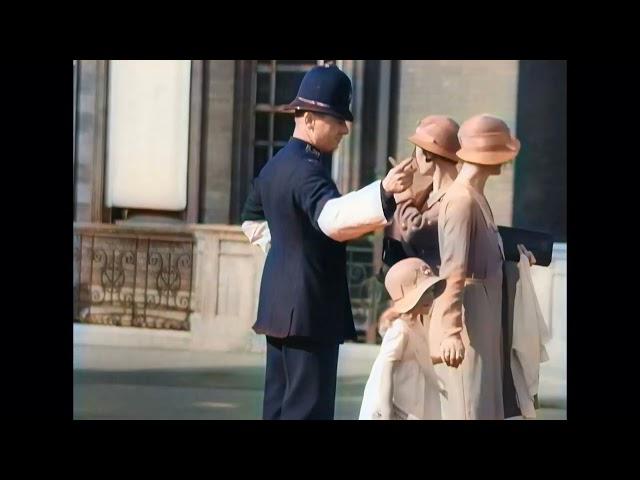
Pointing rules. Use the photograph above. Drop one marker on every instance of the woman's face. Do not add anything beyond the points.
(424, 304)
(426, 165)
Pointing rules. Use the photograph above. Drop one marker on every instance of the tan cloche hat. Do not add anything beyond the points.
(407, 281)
(438, 134)
(487, 140)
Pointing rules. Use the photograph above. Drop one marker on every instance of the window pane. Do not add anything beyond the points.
(262, 87)
(269, 139)
(283, 128)
(260, 157)
(287, 84)
(262, 126)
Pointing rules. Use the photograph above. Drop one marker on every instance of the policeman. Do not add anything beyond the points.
(304, 307)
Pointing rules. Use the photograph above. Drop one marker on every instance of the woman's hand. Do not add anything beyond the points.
(527, 253)
(452, 350)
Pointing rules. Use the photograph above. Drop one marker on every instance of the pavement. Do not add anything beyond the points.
(160, 384)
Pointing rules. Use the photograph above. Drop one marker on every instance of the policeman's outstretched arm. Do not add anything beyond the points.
(360, 212)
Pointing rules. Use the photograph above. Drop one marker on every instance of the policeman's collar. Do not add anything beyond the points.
(308, 148)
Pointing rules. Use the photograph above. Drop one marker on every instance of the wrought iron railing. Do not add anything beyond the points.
(367, 293)
(133, 281)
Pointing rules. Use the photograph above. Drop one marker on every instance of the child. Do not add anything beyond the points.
(403, 384)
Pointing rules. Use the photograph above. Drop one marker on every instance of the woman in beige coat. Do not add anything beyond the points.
(436, 141)
(469, 310)
(436, 144)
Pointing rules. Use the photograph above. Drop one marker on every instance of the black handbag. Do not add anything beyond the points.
(539, 243)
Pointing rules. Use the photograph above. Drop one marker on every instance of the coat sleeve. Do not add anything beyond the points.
(344, 217)
(394, 342)
(354, 214)
(312, 190)
(411, 219)
(252, 209)
(454, 231)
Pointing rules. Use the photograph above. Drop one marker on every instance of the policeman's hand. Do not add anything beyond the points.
(399, 177)
(452, 350)
(527, 253)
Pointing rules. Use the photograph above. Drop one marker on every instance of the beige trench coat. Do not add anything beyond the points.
(471, 258)
(418, 220)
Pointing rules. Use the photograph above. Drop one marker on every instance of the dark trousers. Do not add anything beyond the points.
(300, 380)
